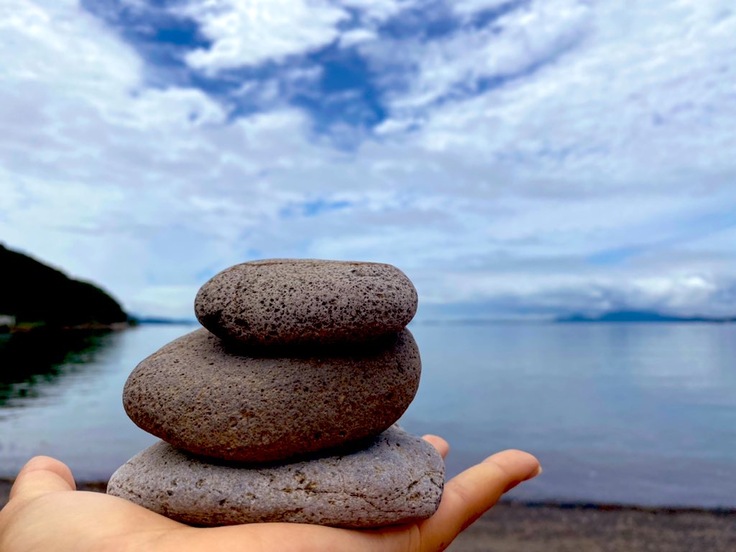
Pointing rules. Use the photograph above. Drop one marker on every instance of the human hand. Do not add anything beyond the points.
(44, 514)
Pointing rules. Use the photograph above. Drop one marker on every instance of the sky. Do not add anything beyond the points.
(515, 158)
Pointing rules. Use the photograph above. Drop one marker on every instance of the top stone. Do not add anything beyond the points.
(304, 302)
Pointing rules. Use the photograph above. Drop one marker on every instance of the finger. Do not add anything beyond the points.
(473, 492)
(439, 443)
(42, 475)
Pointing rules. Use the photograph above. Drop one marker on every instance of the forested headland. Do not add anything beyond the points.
(33, 294)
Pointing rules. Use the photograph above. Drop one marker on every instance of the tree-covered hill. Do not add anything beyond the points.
(33, 292)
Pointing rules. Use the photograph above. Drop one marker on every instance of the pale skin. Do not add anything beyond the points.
(46, 513)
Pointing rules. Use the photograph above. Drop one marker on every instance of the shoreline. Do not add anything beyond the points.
(615, 507)
(38, 327)
(549, 526)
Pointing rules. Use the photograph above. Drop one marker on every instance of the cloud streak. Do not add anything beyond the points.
(250, 33)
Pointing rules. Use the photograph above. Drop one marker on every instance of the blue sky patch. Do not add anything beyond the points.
(347, 93)
(615, 256)
(159, 35)
(314, 207)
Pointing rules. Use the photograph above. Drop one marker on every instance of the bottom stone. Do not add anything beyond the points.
(397, 479)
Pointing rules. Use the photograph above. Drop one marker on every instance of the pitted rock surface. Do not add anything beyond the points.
(298, 301)
(397, 479)
(197, 395)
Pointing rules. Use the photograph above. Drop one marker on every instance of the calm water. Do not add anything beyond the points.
(628, 413)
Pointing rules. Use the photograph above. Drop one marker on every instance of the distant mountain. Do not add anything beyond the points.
(639, 316)
(35, 293)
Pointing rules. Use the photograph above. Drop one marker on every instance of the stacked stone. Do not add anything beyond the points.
(282, 408)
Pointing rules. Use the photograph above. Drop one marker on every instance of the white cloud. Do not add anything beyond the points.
(634, 104)
(41, 44)
(375, 11)
(186, 107)
(469, 7)
(459, 65)
(357, 36)
(253, 32)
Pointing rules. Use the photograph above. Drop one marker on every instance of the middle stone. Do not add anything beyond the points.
(200, 396)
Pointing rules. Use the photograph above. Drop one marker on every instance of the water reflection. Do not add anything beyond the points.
(32, 361)
(60, 395)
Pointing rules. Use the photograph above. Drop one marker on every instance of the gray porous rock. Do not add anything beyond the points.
(200, 396)
(397, 479)
(298, 301)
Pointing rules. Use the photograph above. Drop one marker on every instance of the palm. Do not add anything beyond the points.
(42, 514)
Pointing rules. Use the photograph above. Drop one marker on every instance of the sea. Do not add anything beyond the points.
(620, 413)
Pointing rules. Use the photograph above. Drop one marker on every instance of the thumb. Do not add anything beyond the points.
(42, 475)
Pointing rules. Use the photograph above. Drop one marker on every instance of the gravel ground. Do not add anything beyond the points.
(556, 528)
(513, 527)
